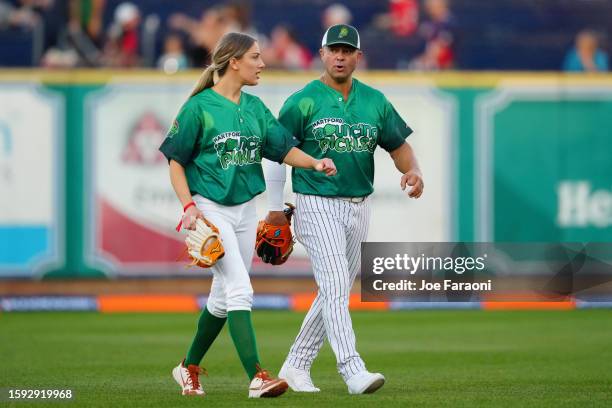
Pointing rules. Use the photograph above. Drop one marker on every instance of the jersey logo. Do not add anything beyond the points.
(334, 134)
(174, 129)
(233, 149)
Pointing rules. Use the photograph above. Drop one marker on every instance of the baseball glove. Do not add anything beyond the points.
(204, 244)
(274, 243)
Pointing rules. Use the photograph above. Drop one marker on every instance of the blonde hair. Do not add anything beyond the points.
(231, 45)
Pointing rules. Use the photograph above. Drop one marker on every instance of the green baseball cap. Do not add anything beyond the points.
(341, 34)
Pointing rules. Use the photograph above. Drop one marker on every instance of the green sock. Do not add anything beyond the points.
(243, 335)
(209, 327)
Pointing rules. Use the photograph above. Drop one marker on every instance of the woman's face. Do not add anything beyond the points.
(249, 66)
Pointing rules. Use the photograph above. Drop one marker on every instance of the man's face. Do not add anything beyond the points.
(340, 61)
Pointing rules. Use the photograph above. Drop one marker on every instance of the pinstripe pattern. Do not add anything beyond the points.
(331, 230)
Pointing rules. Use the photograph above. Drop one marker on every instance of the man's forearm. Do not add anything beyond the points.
(275, 175)
(405, 159)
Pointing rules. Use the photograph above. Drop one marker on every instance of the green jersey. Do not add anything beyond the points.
(345, 131)
(220, 144)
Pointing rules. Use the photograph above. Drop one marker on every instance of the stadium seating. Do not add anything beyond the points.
(499, 35)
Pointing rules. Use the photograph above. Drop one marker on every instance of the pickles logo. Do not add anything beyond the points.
(335, 134)
(233, 149)
(343, 32)
(174, 129)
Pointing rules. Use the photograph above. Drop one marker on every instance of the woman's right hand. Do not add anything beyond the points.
(190, 216)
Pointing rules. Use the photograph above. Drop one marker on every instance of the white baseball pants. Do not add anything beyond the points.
(231, 286)
(332, 230)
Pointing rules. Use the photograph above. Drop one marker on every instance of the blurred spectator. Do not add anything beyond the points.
(80, 41)
(55, 15)
(41, 19)
(205, 32)
(122, 48)
(87, 16)
(402, 18)
(56, 57)
(586, 55)
(438, 34)
(174, 58)
(25, 19)
(336, 14)
(238, 12)
(285, 51)
(238, 15)
(12, 16)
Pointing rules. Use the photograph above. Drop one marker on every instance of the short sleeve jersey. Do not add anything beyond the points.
(220, 144)
(346, 131)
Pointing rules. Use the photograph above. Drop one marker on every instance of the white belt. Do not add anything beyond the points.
(353, 199)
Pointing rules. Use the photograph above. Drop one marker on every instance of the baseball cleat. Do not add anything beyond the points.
(365, 382)
(298, 380)
(264, 386)
(188, 378)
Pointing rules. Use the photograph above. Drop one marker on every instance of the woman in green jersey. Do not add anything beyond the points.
(214, 148)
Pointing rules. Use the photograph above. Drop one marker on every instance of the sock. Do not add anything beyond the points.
(243, 335)
(209, 327)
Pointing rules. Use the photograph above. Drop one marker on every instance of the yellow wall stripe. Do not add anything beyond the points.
(444, 80)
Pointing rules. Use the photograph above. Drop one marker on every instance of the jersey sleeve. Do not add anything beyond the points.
(394, 130)
(278, 140)
(182, 137)
(292, 118)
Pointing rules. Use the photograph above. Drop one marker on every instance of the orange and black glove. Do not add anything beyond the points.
(274, 243)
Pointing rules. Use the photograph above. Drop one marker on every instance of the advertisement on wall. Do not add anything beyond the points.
(544, 164)
(134, 209)
(31, 180)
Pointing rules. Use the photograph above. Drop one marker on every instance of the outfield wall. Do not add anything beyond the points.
(295, 302)
(505, 157)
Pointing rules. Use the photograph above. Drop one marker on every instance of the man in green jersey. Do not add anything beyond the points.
(337, 117)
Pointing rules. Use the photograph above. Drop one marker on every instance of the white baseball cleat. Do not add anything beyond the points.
(264, 386)
(365, 382)
(188, 378)
(299, 380)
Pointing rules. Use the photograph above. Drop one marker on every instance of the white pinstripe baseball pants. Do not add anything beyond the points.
(332, 230)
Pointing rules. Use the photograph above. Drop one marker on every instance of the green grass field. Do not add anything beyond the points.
(430, 358)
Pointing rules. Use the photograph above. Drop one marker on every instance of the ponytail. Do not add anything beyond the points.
(231, 45)
(207, 80)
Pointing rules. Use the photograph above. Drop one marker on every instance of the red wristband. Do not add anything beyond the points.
(180, 224)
